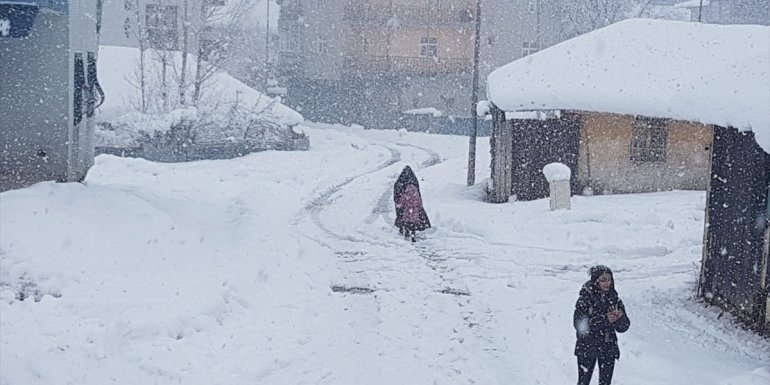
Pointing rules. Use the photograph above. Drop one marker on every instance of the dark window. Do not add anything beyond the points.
(649, 140)
(161, 26)
(529, 47)
(78, 86)
(295, 37)
(127, 27)
(208, 48)
(429, 46)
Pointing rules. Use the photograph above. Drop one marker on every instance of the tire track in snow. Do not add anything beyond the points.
(367, 271)
(325, 198)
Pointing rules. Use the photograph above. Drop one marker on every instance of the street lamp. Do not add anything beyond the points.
(474, 99)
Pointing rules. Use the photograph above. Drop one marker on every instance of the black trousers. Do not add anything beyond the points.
(586, 369)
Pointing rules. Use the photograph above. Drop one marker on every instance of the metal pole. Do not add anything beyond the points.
(474, 99)
(700, 10)
(267, 46)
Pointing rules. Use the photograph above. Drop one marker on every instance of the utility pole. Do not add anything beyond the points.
(267, 47)
(700, 10)
(474, 99)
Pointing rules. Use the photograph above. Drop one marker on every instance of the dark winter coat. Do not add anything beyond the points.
(595, 334)
(404, 180)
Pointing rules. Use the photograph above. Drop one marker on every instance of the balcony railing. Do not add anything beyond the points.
(406, 15)
(419, 65)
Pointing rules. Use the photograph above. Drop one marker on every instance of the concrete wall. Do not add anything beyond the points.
(450, 94)
(37, 136)
(34, 104)
(605, 163)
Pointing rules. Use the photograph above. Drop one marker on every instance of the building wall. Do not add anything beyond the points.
(34, 129)
(606, 166)
(507, 24)
(358, 45)
(38, 138)
(124, 19)
(324, 33)
(733, 12)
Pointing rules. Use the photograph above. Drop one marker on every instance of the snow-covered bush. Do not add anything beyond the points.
(226, 110)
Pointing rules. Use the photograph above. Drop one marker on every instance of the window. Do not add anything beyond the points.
(365, 46)
(322, 45)
(207, 48)
(429, 46)
(213, 3)
(161, 26)
(529, 47)
(129, 4)
(649, 139)
(127, 27)
(532, 6)
(295, 37)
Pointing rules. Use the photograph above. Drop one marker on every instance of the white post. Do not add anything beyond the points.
(558, 176)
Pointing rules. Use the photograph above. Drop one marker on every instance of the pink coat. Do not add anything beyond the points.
(411, 203)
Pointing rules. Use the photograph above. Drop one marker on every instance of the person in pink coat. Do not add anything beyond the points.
(413, 217)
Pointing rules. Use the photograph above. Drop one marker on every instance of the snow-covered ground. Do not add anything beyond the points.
(236, 271)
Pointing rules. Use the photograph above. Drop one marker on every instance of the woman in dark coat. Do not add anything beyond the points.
(599, 314)
(404, 180)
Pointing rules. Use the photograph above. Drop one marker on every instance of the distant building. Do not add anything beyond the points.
(368, 61)
(613, 113)
(159, 22)
(215, 27)
(728, 11)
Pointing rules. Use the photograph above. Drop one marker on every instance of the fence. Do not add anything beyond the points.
(201, 151)
(444, 125)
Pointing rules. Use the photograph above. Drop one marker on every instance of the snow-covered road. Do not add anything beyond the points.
(284, 268)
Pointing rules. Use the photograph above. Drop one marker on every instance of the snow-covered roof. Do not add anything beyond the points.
(714, 74)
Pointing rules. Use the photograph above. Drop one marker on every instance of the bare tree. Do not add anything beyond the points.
(217, 28)
(136, 29)
(207, 31)
(185, 50)
(582, 16)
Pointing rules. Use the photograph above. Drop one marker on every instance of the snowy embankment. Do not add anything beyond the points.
(227, 108)
(284, 268)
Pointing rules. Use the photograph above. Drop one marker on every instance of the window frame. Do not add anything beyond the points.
(529, 47)
(429, 46)
(649, 140)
